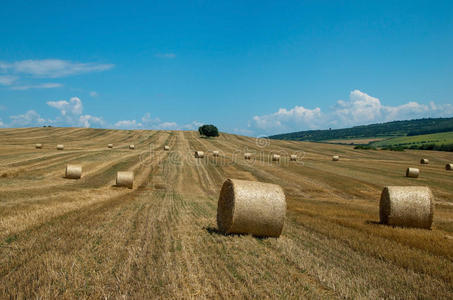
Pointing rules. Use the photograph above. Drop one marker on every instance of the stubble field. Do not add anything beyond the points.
(62, 238)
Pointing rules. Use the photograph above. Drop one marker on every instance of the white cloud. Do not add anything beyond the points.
(281, 119)
(148, 122)
(87, 120)
(52, 67)
(364, 109)
(7, 79)
(31, 117)
(49, 85)
(192, 126)
(360, 109)
(443, 110)
(71, 115)
(166, 55)
(93, 94)
(1, 123)
(3, 67)
(167, 126)
(74, 106)
(147, 119)
(128, 124)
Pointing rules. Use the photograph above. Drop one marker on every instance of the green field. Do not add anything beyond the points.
(434, 138)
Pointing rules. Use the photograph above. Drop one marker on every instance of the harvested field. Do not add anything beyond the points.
(88, 239)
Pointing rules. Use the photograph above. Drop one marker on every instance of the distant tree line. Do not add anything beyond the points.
(430, 131)
(436, 147)
(395, 128)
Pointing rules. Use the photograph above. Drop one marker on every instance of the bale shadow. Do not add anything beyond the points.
(160, 186)
(369, 222)
(69, 178)
(214, 230)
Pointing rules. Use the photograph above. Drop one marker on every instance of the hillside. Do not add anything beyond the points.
(86, 238)
(442, 138)
(389, 129)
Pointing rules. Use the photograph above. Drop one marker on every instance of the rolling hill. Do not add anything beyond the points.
(383, 130)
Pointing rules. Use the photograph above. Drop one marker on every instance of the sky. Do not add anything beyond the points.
(249, 67)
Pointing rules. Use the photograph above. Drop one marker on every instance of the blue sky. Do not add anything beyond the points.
(249, 67)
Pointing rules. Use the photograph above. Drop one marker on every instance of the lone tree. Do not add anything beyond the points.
(208, 130)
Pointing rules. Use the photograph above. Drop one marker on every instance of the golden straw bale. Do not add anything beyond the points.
(408, 206)
(73, 171)
(412, 172)
(125, 178)
(251, 207)
(199, 154)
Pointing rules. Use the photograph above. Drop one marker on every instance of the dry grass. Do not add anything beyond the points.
(86, 239)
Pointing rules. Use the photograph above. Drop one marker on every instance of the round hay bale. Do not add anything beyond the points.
(250, 207)
(125, 178)
(215, 153)
(166, 148)
(199, 154)
(110, 145)
(275, 157)
(335, 158)
(132, 147)
(73, 171)
(247, 155)
(449, 167)
(38, 146)
(424, 161)
(412, 172)
(408, 206)
(293, 157)
(60, 147)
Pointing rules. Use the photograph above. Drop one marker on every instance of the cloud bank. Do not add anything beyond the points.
(147, 122)
(11, 73)
(52, 68)
(7, 79)
(71, 114)
(360, 109)
(49, 85)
